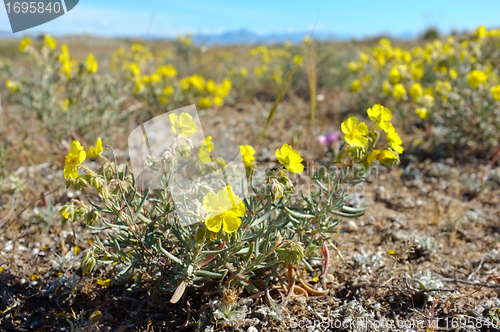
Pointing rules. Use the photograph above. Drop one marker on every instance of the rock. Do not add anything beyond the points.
(329, 278)
(350, 226)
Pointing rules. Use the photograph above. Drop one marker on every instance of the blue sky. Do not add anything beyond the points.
(356, 18)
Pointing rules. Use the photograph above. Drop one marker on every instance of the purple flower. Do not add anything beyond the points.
(329, 138)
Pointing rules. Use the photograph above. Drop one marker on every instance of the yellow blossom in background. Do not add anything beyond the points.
(95, 152)
(64, 59)
(416, 71)
(422, 112)
(291, 159)
(387, 87)
(50, 42)
(211, 86)
(394, 141)
(12, 86)
(495, 92)
(298, 59)
(399, 91)
(65, 104)
(24, 44)
(205, 102)
(416, 91)
(443, 87)
(354, 66)
(380, 115)
(168, 90)
(394, 75)
(195, 81)
(476, 77)
(247, 152)
(92, 65)
(363, 57)
(75, 157)
(453, 73)
(166, 71)
(226, 209)
(356, 86)
(260, 70)
(183, 124)
(480, 32)
(354, 133)
(217, 101)
(243, 72)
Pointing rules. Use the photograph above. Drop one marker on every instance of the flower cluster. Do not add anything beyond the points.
(362, 141)
(448, 83)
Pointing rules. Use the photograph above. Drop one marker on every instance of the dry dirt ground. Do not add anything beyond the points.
(419, 256)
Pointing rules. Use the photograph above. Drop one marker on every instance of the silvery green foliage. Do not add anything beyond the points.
(354, 315)
(427, 244)
(426, 281)
(142, 236)
(368, 260)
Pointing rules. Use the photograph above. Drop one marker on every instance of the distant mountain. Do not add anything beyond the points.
(244, 36)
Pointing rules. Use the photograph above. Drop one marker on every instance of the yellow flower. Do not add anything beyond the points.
(24, 43)
(394, 141)
(354, 66)
(226, 210)
(247, 152)
(394, 75)
(206, 147)
(163, 99)
(166, 71)
(422, 112)
(290, 158)
(363, 57)
(205, 102)
(384, 156)
(416, 71)
(95, 152)
(443, 87)
(75, 157)
(355, 133)
(50, 42)
(104, 283)
(480, 32)
(13, 86)
(297, 59)
(183, 124)
(453, 73)
(65, 214)
(355, 86)
(399, 91)
(495, 91)
(211, 86)
(387, 87)
(380, 115)
(476, 77)
(168, 90)
(243, 72)
(65, 105)
(415, 91)
(92, 65)
(217, 101)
